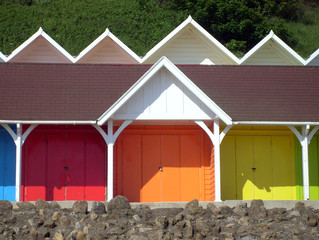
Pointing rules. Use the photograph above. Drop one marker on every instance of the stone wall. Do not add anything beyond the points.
(117, 220)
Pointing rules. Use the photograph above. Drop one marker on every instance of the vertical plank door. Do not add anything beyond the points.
(7, 166)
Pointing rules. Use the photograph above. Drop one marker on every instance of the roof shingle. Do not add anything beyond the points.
(67, 92)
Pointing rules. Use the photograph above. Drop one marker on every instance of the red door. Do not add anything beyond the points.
(64, 166)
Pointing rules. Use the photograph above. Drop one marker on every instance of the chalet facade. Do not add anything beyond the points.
(182, 122)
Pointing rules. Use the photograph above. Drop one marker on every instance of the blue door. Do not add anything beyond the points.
(7, 166)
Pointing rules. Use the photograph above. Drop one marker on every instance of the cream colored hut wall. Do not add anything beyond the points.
(188, 48)
(268, 54)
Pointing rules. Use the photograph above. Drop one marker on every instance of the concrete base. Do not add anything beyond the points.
(288, 204)
(269, 204)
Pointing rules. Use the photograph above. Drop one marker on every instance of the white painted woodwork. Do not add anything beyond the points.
(108, 51)
(271, 54)
(314, 62)
(40, 51)
(304, 138)
(110, 139)
(191, 47)
(18, 143)
(218, 195)
(164, 97)
(207, 61)
(216, 139)
(110, 161)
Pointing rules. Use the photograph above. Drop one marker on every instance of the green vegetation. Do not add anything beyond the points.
(140, 24)
(305, 33)
(75, 24)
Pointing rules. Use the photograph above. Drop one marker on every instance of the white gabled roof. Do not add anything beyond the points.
(104, 35)
(313, 59)
(295, 57)
(3, 58)
(29, 41)
(201, 30)
(164, 62)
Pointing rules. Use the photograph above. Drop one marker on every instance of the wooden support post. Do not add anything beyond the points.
(218, 197)
(110, 160)
(18, 143)
(110, 139)
(216, 139)
(304, 139)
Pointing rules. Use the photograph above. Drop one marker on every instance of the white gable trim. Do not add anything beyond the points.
(281, 43)
(107, 33)
(164, 62)
(3, 57)
(40, 32)
(312, 57)
(200, 29)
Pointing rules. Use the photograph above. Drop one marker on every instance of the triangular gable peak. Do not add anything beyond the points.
(272, 51)
(107, 48)
(40, 48)
(313, 60)
(2, 57)
(189, 43)
(164, 93)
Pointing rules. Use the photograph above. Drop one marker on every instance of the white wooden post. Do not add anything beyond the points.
(110, 160)
(19, 140)
(305, 163)
(218, 196)
(18, 143)
(110, 139)
(304, 140)
(216, 139)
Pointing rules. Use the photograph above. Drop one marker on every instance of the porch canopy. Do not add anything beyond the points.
(94, 94)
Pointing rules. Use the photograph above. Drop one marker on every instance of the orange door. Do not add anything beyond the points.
(131, 167)
(190, 166)
(151, 176)
(157, 167)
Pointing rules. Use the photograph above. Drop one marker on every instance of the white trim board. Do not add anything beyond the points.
(313, 57)
(3, 58)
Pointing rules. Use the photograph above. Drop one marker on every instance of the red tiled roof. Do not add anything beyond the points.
(83, 92)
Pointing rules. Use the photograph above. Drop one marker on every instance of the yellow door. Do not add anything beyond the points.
(284, 170)
(228, 168)
(263, 166)
(259, 166)
(245, 163)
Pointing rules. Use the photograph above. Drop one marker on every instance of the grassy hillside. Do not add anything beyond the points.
(75, 24)
(140, 24)
(305, 33)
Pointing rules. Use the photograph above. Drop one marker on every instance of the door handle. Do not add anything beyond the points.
(66, 168)
(254, 169)
(160, 168)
